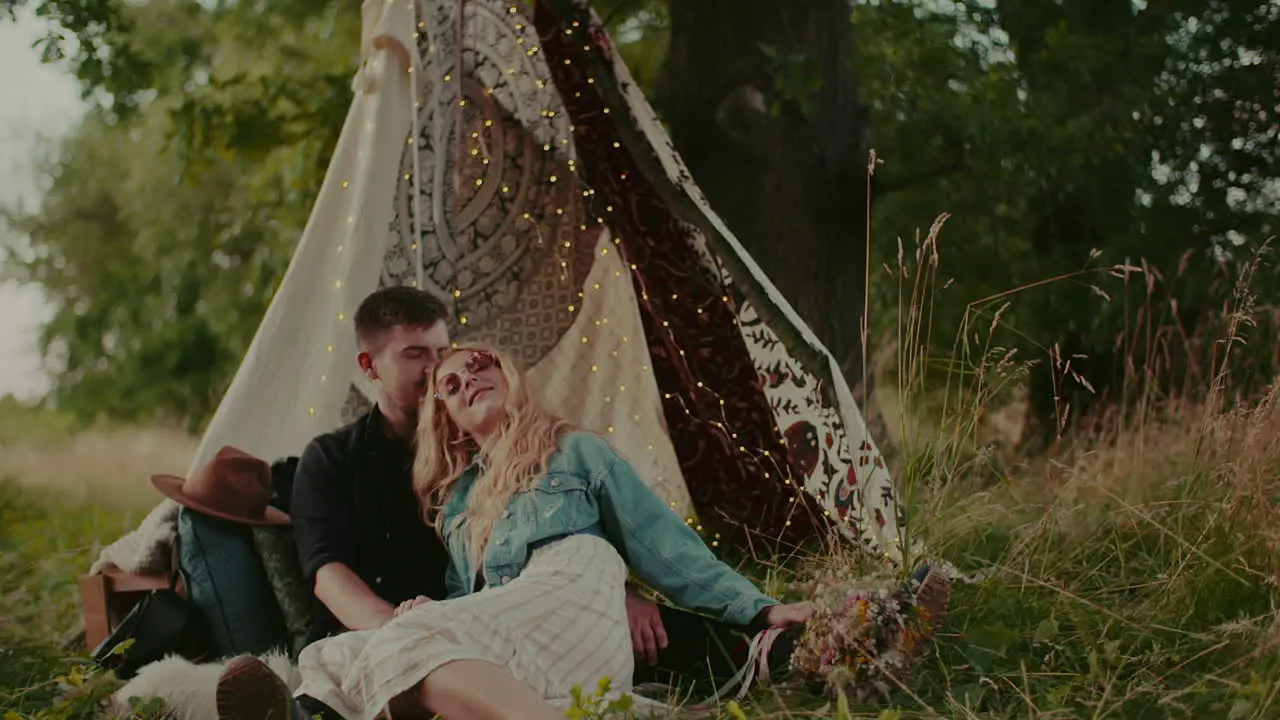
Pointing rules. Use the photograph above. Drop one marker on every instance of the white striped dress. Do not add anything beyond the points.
(562, 622)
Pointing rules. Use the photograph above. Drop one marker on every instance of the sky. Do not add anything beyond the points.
(39, 101)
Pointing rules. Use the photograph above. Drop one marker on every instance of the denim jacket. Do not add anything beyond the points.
(588, 488)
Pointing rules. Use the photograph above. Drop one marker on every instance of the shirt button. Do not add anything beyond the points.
(377, 581)
(501, 540)
(555, 482)
(506, 514)
(505, 579)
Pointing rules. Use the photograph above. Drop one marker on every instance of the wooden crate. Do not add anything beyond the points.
(109, 596)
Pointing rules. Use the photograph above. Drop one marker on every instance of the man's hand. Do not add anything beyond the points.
(648, 636)
(350, 600)
(793, 614)
(408, 605)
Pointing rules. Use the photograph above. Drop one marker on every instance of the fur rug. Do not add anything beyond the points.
(188, 689)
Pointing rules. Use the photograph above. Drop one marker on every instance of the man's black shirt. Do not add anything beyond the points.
(353, 503)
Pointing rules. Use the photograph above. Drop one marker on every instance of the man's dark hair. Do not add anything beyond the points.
(389, 307)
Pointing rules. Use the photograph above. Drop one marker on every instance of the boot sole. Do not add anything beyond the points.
(249, 690)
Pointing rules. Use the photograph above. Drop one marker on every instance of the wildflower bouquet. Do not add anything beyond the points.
(860, 639)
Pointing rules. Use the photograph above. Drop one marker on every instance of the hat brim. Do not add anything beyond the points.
(171, 487)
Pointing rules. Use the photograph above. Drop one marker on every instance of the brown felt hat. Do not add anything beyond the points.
(234, 486)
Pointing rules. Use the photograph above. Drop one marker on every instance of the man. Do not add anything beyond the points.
(364, 546)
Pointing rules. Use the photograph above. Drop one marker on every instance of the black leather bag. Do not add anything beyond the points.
(164, 623)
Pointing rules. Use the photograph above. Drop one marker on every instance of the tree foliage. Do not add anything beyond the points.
(165, 229)
(1056, 135)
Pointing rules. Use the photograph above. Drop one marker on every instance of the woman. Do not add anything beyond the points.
(541, 522)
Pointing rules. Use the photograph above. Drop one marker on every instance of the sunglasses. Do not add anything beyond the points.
(451, 384)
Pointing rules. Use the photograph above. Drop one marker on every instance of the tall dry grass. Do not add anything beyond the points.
(100, 467)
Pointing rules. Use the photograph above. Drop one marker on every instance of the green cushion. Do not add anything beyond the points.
(280, 560)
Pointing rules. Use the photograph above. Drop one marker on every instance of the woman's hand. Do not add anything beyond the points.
(648, 635)
(792, 614)
(408, 605)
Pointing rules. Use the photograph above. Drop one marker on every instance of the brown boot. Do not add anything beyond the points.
(933, 598)
(929, 589)
(249, 690)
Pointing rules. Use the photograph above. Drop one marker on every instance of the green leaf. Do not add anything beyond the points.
(1046, 630)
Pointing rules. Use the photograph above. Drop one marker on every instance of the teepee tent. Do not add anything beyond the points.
(498, 154)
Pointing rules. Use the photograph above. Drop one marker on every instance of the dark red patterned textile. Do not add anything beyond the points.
(732, 455)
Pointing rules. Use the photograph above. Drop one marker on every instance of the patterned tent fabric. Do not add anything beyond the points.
(499, 155)
(547, 177)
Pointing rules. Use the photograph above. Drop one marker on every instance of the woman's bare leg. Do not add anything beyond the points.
(472, 690)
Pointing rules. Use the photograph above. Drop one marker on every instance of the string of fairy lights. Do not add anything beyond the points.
(473, 145)
(721, 424)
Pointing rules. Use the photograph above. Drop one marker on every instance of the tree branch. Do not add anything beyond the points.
(619, 9)
(951, 167)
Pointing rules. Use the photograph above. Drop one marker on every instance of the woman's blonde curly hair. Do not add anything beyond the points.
(512, 459)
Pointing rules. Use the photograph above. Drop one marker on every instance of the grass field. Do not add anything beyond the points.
(62, 496)
(1133, 575)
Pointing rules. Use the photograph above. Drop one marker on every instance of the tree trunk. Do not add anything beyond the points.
(763, 105)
